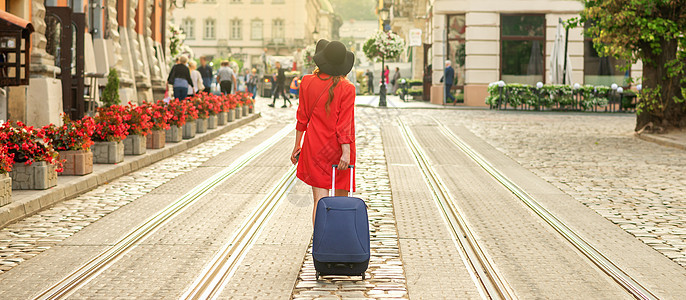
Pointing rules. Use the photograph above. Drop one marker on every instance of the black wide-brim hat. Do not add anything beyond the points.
(332, 58)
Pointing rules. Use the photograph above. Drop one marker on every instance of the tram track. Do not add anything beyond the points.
(488, 279)
(628, 283)
(91, 269)
(223, 265)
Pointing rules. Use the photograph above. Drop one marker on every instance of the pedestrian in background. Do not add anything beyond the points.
(280, 81)
(180, 78)
(386, 72)
(395, 82)
(295, 86)
(448, 78)
(370, 82)
(226, 78)
(206, 74)
(196, 78)
(327, 113)
(252, 82)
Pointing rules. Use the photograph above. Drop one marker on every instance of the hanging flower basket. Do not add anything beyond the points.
(383, 45)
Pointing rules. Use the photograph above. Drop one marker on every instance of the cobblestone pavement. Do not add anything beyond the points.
(385, 276)
(31, 236)
(596, 159)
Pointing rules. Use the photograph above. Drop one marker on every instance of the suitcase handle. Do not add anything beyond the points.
(332, 191)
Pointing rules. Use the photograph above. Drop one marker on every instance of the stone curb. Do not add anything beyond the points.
(70, 187)
(660, 140)
(445, 107)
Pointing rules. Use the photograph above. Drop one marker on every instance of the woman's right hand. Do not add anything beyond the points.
(295, 155)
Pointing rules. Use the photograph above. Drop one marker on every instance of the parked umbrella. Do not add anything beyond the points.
(558, 57)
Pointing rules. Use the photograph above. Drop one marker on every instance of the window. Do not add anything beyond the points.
(188, 27)
(236, 1)
(277, 30)
(278, 1)
(256, 30)
(256, 2)
(604, 70)
(456, 46)
(236, 29)
(522, 48)
(210, 1)
(209, 29)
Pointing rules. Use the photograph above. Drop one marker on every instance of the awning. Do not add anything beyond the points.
(12, 20)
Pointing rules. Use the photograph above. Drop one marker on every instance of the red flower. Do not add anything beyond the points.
(25, 144)
(111, 123)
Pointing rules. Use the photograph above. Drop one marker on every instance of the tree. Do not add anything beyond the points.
(110, 96)
(652, 31)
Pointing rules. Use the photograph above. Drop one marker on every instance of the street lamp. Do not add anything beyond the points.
(539, 86)
(577, 96)
(383, 15)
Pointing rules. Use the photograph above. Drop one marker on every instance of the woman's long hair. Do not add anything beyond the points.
(335, 80)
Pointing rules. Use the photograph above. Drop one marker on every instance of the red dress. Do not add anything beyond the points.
(325, 132)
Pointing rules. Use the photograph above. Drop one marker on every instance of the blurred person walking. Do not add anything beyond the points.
(180, 78)
(370, 82)
(295, 86)
(226, 78)
(395, 82)
(252, 83)
(448, 79)
(206, 73)
(196, 77)
(279, 90)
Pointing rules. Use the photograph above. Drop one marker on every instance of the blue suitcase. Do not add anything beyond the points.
(340, 245)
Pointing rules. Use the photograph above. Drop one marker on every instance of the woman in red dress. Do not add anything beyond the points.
(326, 119)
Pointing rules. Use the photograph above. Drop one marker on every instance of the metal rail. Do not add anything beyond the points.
(222, 267)
(96, 265)
(626, 281)
(490, 282)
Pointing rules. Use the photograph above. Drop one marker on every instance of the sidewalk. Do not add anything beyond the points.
(676, 139)
(27, 202)
(394, 101)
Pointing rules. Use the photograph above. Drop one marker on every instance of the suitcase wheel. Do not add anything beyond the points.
(363, 276)
(316, 275)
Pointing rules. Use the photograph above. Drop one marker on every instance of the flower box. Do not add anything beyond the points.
(174, 134)
(134, 144)
(212, 122)
(231, 115)
(39, 175)
(221, 118)
(189, 129)
(245, 110)
(251, 109)
(108, 152)
(201, 125)
(155, 140)
(77, 162)
(239, 112)
(5, 189)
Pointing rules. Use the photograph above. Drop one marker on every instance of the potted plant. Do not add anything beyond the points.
(215, 106)
(204, 108)
(231, 103)
(35, 163)
(111, 128)
(181, 115)
(159, 117)
(224, 108)
(73, 142)
(6, 161)
(239, 107)
(138, 119)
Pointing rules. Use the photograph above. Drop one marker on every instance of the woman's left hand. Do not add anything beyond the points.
(344, 163)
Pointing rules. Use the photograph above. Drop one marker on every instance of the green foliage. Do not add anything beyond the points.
(649, 30)
(355, 9)
(553, 95)
(110, 96)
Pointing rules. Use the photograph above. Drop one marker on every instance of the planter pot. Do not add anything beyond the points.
(251, 109)
(231, 115)
(221, 118)
(245, 110)
(135, 144)
(155, 140)
(77, 162)
(38, 176)
(189, 129)
(5, 189)
(239, 112)
(212, 122)
(174, 134)
(108, 152)
(201, 125)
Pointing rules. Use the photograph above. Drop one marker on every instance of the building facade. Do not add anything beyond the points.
(76, 43)
(250, 29)
(492, 40)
